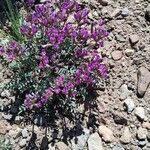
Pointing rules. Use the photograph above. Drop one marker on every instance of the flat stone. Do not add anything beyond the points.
(140, 113)
(8, 116)
(81, 142)
(106, 133)
(134, 38)
(95, 142)
(126, 136)
(129, 105)
(142, 143)
(116, 55)
(129, 52)
(5, 94)
(62, 146)
(124, 91)
(143, 80)
(142, 133)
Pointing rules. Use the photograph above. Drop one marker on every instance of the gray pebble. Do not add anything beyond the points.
(125, 12)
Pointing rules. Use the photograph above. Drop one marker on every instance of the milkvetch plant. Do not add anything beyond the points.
(56, 59)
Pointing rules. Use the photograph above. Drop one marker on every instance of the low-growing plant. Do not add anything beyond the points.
(5, 144)
(59, 60)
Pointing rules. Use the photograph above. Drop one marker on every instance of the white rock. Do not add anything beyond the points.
(25, 133)
(134, 38)
(81, 142)
(116, 55)
(125, 12)
(140, 113)
(106, 133)
(22, 143)
(142, 133)
(129, 105)
(5, 93)
(129, 52)
(95, 142)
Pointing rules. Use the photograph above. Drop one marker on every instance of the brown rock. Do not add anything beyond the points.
(116, 55)
(143, 76)
(126, 136)
(106, 133)
(3, 128)
(61, 146)
(146, 125)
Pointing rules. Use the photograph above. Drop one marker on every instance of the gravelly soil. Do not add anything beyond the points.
(123, 116)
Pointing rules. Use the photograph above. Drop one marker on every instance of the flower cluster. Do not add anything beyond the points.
(59, 57)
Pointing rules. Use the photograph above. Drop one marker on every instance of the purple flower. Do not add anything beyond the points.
(44, 60)
(2, 50)
(103, 70)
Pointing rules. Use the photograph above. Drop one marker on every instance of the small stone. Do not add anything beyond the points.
(147, 14)
(62, 146)
(8, 116)
(103, 2)
(5, 94)
(142, 143)
(126, 137)
(95, 142)
(140, 113)
(134, 39)
(22, 143)
(106, 133)
(129, 52)
(116, 55)
(120, 119)
(146, 125)
(142, 133)
(143, 80)
(3, 128)
(25, 133)
(18, 119)
(82, 139)
(124, 91)
(118, 147)
(115, 13)
(125, 12)
(129, 105)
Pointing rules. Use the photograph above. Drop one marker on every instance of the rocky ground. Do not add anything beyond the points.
(122, 121)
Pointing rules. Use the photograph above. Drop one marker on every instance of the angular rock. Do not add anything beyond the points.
(95, 142)
(134, 38)
(126, 136)
(23, 143)
(129, 105)
(142, 133)
(25, 133)
(82, 139)
(106, 133)
(8, 116)
(143, 80)
(124, 91)
(140, 113)
(129, 52)
(125, 12)
(62, 146)
(120, 119)
(116, 55)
